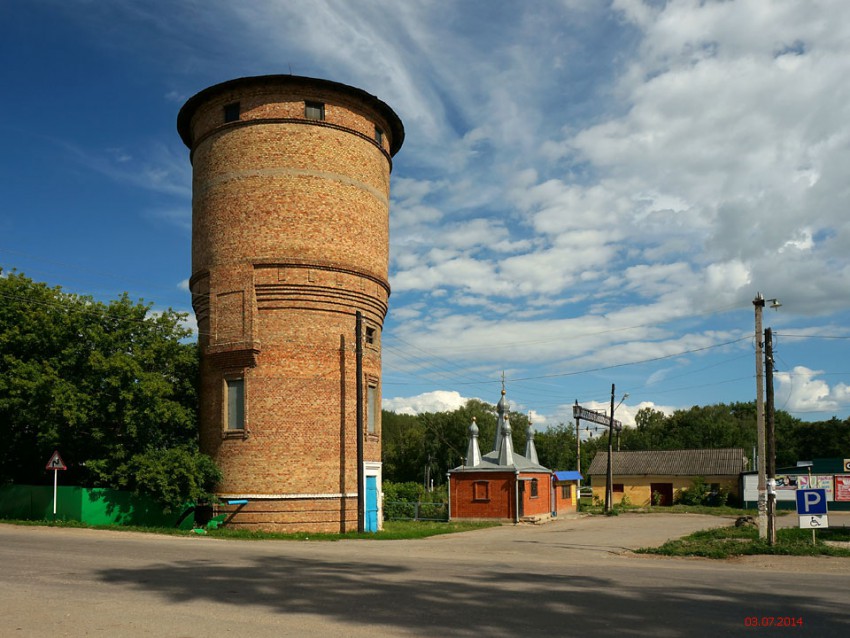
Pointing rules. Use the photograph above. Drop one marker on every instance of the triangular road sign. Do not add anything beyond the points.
(56, 462)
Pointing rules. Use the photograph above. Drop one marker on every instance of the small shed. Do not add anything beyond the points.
(501, 484)
(565, 491)
(652, 477)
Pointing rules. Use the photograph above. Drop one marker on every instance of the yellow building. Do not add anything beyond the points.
(654, 477)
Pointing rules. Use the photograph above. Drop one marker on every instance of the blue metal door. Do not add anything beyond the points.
(370, 522)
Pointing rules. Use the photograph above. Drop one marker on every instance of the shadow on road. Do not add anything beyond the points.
(497, 601)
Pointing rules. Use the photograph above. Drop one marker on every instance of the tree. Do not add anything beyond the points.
(110, 385)
(403, 447)
(556, 447)
(426, 446)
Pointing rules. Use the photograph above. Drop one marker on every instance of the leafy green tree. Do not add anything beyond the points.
(403, 447)
(556, 447)
(426, 446)
(821, 439)
(111, 385)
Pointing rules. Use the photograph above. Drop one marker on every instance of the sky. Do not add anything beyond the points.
(589, 193)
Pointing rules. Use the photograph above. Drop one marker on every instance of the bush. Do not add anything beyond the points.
(172, 476)
(401, 499)
(700, 493)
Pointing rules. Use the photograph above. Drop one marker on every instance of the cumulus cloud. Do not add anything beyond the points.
(435, 401)
(801, 391)
(621, 202)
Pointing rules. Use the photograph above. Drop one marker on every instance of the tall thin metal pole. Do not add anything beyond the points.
(771, 438)
(609, 488)
(758, 302)
(358, 337)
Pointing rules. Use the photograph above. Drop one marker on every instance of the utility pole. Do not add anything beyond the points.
(771, 438)
(758, 302)
(578, 448)
(609, 488)
(358, 355)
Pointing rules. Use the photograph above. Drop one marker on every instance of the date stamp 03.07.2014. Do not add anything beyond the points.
(773, 621)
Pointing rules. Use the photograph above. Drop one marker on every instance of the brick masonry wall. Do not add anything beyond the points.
(637, 488)
(290, 238)
(501, 501)
(467, 501)
(542, 504)
(565, 505)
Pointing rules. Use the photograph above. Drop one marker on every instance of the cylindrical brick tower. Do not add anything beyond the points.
(290, 239)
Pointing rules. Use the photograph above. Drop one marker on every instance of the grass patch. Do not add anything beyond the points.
(727, 542)
(393, 530)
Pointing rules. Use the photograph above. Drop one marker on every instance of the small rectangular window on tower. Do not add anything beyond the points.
(370, 336)
(231, 112)
(379, 136)
(372, 408)
(235, 401)
(314, 110)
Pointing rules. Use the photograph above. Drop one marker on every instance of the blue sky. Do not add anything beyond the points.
(589, 192)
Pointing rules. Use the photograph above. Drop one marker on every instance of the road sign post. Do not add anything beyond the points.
(55, 463)
(812, 510)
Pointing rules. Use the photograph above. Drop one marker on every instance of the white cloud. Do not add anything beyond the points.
(435, 401)
(666, 162)
(800, 391)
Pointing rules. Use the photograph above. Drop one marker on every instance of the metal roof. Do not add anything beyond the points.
(568, 475)
(721, 461)
(490, 463)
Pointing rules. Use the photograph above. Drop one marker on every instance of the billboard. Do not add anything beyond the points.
(842, 487)
(816, 482)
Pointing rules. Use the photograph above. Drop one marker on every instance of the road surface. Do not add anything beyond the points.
(573, 577)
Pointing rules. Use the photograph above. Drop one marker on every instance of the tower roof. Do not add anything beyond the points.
(184, 117)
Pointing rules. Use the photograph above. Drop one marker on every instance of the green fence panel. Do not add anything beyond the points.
(93, 506)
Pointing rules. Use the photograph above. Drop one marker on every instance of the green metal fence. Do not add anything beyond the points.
(93, 506)
(407, 511)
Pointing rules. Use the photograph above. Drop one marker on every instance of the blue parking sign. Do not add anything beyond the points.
(811, 502)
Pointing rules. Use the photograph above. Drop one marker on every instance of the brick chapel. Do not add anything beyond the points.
(502, 484)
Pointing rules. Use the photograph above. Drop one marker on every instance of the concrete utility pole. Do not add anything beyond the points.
(758, 302)
(609, 488)
(771, 438)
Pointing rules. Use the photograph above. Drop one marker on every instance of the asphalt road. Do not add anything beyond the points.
(569, 578)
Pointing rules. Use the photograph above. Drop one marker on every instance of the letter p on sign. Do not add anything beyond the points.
(811, 502)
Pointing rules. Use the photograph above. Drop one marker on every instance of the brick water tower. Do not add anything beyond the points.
(290, 252)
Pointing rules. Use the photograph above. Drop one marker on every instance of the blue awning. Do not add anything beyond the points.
(570, 475)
